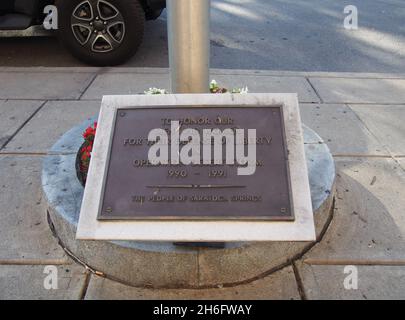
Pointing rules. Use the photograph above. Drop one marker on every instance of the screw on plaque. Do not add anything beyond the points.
(122, 114)
(283, 210)
(108, 210)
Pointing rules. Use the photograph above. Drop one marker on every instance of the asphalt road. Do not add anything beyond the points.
(294, 35)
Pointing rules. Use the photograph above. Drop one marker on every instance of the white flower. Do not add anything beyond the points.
(244, 90)
(213, 84)
(153, 91)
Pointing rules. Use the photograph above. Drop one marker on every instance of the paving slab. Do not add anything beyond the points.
(386, 122)
(133, 83)
(27, 282)
(81, 69)
(264, 84)
(13, 114)
(341, 129)
(41, 85)
(358, 90)
(327, 282)
(369, 220)
(24, 231)
(282, 73)
(125, 83)
(50, 123)
(279, 285)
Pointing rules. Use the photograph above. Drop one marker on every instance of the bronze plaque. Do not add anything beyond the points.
(135, 189)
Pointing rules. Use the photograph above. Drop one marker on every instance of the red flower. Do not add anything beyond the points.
(90, 132)
(87, 148)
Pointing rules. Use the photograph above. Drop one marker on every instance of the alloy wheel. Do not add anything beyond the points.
(98, 25)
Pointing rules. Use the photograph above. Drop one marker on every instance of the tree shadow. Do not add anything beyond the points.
(368, 219)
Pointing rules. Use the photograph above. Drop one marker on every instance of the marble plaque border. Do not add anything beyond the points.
(301, 229)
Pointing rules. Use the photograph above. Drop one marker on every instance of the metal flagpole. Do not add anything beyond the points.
(189, 45)
(188, 28)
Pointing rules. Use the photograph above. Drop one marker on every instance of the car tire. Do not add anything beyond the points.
(101, 32)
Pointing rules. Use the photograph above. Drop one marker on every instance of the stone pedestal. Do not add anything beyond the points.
(151, 264)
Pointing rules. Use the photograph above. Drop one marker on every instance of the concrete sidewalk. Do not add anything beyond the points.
(361, 116)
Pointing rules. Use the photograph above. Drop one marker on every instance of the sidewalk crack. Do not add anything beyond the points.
(313, 88)
(83, 291)
(22, 126)
(300, 284)
(88, 85)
